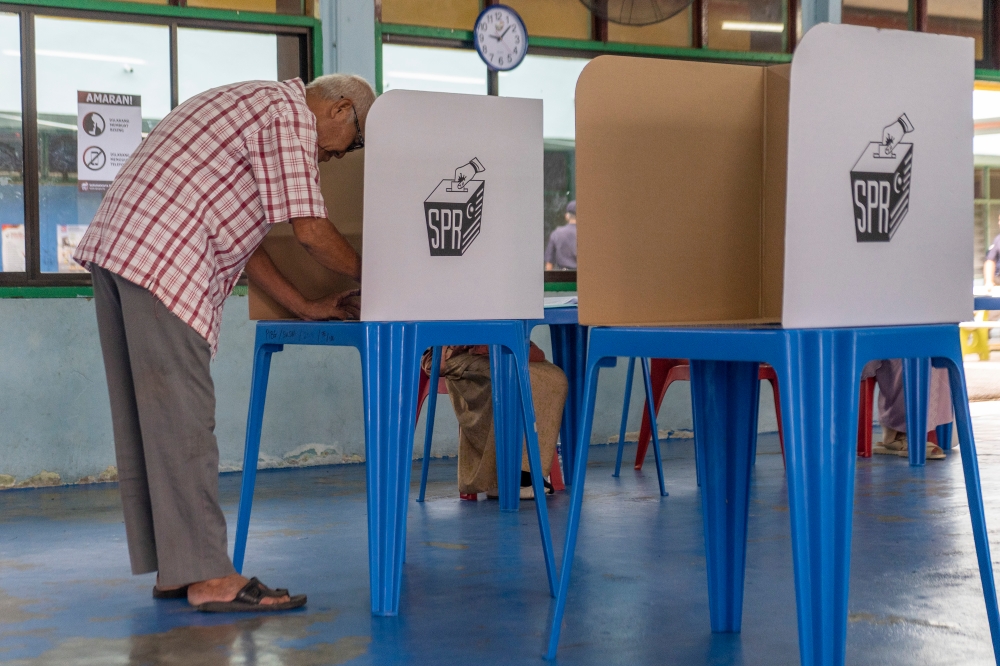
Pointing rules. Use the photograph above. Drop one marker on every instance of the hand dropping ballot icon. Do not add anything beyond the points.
(880, 184)
(454, 210)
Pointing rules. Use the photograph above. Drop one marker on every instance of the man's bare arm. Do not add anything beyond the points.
(989, 270)
(263, 273)
(327, 246)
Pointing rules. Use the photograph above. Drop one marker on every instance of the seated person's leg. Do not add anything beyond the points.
(892, 409)
(548, 388)
(466, 371)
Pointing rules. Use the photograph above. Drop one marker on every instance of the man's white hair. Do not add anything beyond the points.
(333, 87)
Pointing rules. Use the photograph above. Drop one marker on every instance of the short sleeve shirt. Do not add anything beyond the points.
(993, 254)
(561, 250)
(198, 195)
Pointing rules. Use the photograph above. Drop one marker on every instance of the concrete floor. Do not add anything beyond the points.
(474, 587)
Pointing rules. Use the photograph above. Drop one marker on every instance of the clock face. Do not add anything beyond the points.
(500, 37)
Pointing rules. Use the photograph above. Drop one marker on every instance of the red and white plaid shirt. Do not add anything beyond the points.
(197, 196)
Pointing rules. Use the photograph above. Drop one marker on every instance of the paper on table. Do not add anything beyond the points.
(560, 301)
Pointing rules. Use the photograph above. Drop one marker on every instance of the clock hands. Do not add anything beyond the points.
(502, 35)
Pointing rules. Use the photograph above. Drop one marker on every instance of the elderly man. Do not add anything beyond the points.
(174, 232)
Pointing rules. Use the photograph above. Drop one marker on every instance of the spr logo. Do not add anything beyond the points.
(880, 184)
(454, 210)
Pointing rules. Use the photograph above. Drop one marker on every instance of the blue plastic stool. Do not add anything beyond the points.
(569, 342)
(819, 372)
(653, 431)
(390, 355)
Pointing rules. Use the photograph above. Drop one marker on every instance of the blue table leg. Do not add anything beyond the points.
(251, 450)
(653, 428)
(390, 366)
(625, 405)
(569, 345)
(530, 428)
(576, 503)
(724, 398)
(429, 419)
(916, 390)
(507, 430)
(973, 488)
(818, 375)
(944, 436)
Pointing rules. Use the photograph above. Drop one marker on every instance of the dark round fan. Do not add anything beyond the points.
(636, 12)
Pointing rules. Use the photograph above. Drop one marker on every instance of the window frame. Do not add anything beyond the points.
(33, 282)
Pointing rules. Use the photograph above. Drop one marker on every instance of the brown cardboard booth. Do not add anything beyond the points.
(713, 193)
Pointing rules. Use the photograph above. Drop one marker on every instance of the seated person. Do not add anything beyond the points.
(466, 370)
(892, 408)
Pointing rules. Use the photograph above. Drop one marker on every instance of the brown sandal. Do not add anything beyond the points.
(248, 600)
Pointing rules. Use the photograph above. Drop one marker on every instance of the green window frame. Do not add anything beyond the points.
(33, 283)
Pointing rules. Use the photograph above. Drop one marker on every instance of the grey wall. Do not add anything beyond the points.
(54, 413)
(349, 37)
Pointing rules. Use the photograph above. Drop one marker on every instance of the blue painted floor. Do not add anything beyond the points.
(474, 588)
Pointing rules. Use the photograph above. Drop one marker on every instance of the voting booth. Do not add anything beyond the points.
(835, 191)
(830, 200)
(447, 198)
(453, 209)
(450, 212)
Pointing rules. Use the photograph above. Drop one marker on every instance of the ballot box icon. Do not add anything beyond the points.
(880, 184)
(453, 212)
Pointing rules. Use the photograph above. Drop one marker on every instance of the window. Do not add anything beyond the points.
(893, 14)
(553, 80)
(258, 59)
(97, 56)
(957, 17)
(986, 148)
(432, 69)
(746, 25)
(153, 61)
(11, 157)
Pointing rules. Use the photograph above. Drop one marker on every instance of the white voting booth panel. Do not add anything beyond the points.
(453, 208)
(850, 85)
(833, 192)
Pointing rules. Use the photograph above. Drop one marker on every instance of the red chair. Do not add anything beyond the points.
(665, 371)
(423, 391)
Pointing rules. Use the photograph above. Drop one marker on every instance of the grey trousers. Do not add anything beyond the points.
(163, 413)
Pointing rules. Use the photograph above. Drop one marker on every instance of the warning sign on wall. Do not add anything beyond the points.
(109, 128)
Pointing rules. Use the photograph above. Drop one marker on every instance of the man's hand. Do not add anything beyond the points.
(346, 306)
(265, 274)
(327, 246)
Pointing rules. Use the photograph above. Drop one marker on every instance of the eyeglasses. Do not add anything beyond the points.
(359, 138)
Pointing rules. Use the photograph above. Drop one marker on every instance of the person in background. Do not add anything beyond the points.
(892, 408)
(560, 253)
(185, 215)
(466, 371)
(990, 272)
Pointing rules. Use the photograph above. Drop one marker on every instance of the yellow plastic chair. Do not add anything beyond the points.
(976, 340)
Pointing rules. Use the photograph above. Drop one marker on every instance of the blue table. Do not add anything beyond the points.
(819, 372)
(390, 356)
(569, 352)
